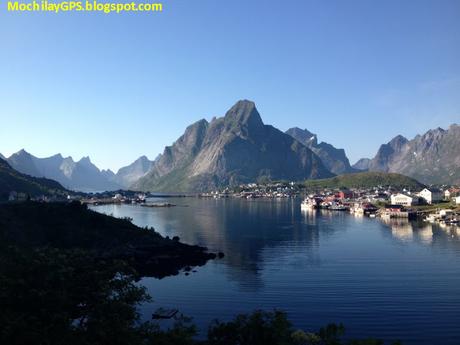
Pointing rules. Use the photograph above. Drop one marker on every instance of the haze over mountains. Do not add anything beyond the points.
(130, 174)
(240, 148)
(81, 175)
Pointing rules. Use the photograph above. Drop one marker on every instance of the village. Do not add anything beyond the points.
(429, 204)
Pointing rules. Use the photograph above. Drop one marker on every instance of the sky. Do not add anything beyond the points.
(118, 86)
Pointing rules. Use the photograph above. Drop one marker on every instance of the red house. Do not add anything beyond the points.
(344, 194)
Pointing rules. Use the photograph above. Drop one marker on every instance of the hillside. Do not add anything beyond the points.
(12, 180)
(72, 226)
(365, 180)
(230, 150)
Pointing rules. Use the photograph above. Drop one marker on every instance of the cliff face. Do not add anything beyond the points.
(334, 159)
(433, 157)
(233, 149)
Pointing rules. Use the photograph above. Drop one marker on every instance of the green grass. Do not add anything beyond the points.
(365, 180)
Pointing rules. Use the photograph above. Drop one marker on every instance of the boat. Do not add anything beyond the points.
(310, 203)
(163, 314)
(338, 207)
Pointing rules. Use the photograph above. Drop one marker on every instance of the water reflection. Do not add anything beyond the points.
(245, 230)
(391, 279)
(424, 233)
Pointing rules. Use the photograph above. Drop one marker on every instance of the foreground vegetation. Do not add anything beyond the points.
(32, 225)
(364, 180)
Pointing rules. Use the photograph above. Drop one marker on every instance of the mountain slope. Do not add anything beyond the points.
(362, 164)
(82, 175)
(432, 158)
(233, 149)
(128, 175)
(334, 159)
(387, 152)
(366, 180)
(12, 180)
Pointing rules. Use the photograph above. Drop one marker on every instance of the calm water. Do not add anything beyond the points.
(393, 280)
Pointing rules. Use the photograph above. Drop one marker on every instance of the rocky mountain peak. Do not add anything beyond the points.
(432, 157)
(244, 113)
(333, 158)
(303, 135)
(237, 148)
(22, 153)
(397, 142)
(85, 160)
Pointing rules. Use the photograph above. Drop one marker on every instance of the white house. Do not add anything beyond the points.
(447, 194)
(457, 200)
(431, 196)
(403, 200)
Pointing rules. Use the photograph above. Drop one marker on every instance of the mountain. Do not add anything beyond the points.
(362, 164)
(82, 175)
(365, 180)
(12, 180)
(2, 156)
(130, 174)
(237, 148)
(386, 153)
(432, 158)
(24, 162)
(334, 159)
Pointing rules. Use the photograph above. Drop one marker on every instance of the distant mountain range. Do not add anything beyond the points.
(82, 175)
(431, 158)
(240, 148)
(237, 148)
(12, 180)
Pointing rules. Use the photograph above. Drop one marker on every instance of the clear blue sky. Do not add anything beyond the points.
(115, 87)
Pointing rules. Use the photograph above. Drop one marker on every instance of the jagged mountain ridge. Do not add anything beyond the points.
(236, 148)
(82, 175)
(334, 159)
(12, 180)
(432, 158)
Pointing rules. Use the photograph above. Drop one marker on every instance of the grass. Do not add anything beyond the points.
(365, 180)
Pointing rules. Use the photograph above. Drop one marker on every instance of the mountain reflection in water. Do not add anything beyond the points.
(390, 279)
